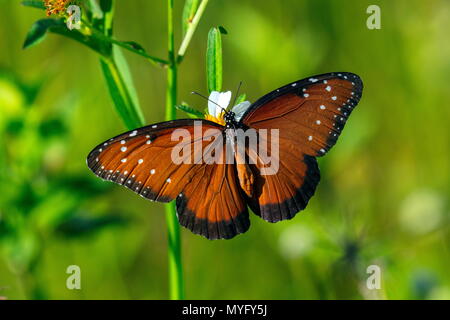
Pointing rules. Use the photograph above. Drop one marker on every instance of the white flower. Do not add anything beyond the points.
(240, 109)
(219, 102)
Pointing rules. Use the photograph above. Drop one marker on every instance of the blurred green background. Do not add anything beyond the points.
(384, 193)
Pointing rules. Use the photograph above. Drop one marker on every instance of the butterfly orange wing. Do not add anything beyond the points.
(310, 115)
(213, 205)
(209, 200)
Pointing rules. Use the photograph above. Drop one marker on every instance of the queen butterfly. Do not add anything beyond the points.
(212, 198)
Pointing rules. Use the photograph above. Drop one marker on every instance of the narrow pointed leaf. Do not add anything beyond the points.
(214, 60)
(241, 98)
(193, 113)
(38, 31)
(34, 4)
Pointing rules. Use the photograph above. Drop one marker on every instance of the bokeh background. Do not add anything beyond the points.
(384, 194)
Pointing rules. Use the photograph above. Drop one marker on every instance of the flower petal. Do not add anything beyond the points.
(224, 100)
(240, 109)
(214, 98)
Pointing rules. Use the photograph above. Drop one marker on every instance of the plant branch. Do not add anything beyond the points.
(176, 285)
(191, 30)
(154, 60)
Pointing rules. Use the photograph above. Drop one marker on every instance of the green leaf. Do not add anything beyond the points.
(40, 28)
(241, 98)
(117, 92)
(93, 7)
(223, 30)
(192, 113)
(134, 45)
(122, 91)
(79, 226)
(38, 31)
(34, 4)
(214, 60)
(135, 108)
(53, 209)
(189, 10)
(107, 6)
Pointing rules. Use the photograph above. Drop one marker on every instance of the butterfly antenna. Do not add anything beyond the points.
(237, 93)
(206, 98)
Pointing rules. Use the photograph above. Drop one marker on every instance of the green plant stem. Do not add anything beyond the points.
(176, 285)
(191, 30)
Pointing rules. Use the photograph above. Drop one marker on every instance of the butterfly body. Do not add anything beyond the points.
(230, 121)
(293, 124)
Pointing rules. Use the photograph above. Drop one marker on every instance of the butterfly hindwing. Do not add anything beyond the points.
(282, 195)
(212, 205)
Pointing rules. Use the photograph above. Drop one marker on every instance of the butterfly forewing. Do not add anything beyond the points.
(310, 112)
(141, 160)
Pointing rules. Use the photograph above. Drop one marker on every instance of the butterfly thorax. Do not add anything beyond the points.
(230, 120)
